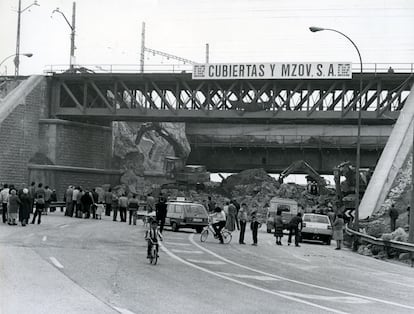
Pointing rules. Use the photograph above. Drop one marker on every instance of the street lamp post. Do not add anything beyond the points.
(29, 55)
(17, 54)
(358, 153)
(72, 33)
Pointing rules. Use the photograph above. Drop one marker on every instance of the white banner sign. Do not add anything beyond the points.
(234, 71)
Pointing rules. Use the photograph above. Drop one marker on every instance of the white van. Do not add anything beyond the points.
(288, 207)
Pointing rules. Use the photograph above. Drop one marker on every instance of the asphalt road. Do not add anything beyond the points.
(70, 265)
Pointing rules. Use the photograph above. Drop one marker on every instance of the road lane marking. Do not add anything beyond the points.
(191, 238)
(44, 238)
(187, 252)
(206, 262)
(121, 310)
(56, 262)
(63, 226)
(172, 255)
(260, 278)
(352, 300)
(178, 243)
(290, 253)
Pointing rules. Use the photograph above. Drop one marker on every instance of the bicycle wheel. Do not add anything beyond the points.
(154, 255)
(204, 235)
(226, 236)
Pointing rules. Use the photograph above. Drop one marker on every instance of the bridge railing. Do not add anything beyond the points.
(188, 68)
(304, 141)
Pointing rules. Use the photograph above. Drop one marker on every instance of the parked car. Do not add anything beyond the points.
(317, 227)
(183, 214)
(288, 208)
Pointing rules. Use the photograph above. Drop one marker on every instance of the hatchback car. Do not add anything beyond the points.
(182, 214)
(317, 227)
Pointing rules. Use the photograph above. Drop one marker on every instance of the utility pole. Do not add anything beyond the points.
(207, 53)
(17, 54)
(142, 56)
(72, 37)
(72, 27)
(411, 212)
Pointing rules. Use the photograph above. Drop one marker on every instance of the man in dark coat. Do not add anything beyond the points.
(25, 207)
(161, 212)
(393, 216)
(295, 226)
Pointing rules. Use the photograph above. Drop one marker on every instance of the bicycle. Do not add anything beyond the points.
(226, 235)
(153, 253)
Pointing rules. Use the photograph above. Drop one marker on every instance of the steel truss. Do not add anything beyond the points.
(176, 97)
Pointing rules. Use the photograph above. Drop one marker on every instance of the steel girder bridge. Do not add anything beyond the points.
(101, 98)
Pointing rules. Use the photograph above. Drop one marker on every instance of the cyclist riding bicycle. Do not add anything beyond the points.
(219, 222)
(152, 235)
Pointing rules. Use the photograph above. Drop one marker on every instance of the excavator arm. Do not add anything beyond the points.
(303, 165)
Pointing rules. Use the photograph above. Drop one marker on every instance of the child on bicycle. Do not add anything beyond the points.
(152, 235)
(219, 222)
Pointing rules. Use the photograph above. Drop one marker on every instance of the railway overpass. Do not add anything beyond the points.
(237, 124)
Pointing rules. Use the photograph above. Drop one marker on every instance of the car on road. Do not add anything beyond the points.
(185, 214)
(317, 227)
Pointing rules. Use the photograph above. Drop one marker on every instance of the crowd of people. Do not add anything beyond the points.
(18, 203)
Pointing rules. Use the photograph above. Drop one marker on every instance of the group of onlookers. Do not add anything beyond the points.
(18, 204)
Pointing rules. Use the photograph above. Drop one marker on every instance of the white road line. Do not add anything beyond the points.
(44, 238)
(122, 311)
(351, 300)
(56, 262)
(172, 255)
(260, 278)
(187, 252)
(300, 282)
(63, 226)
(206, 262)
(288, 251)
(178, 243)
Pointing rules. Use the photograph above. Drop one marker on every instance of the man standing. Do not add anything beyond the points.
(123, 205)
(150, 203)
(75, 193)
(161, 212)
(108, 202)
(295, 226)
(242, 217)
(211, 205)
(4, 196)
(393, 216)
(48, 194)
(32, 194)
(254, 225)
(68, 201)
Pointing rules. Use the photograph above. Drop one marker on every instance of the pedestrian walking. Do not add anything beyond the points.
(108, 202)
(393, 217)
(133, 205)
(4, 197)
(114, 205)
(13, 208)
(40, 205)
(25, 207)
(338, 231)
(278, 227)
(231, 217)
(295, 227)
(161, 212)
(123, 205)
(242, 217)
(254, 226)
(150, 203)
(68, 201)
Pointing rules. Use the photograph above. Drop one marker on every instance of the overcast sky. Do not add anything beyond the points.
(109, 31)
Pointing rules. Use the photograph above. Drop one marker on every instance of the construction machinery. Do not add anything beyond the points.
(177, 171)
(313, 175)
(345, 190)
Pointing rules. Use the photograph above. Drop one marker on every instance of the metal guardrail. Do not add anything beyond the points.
(402, 246)
(188, 68)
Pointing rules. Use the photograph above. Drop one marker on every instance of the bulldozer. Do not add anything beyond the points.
(180, 173)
